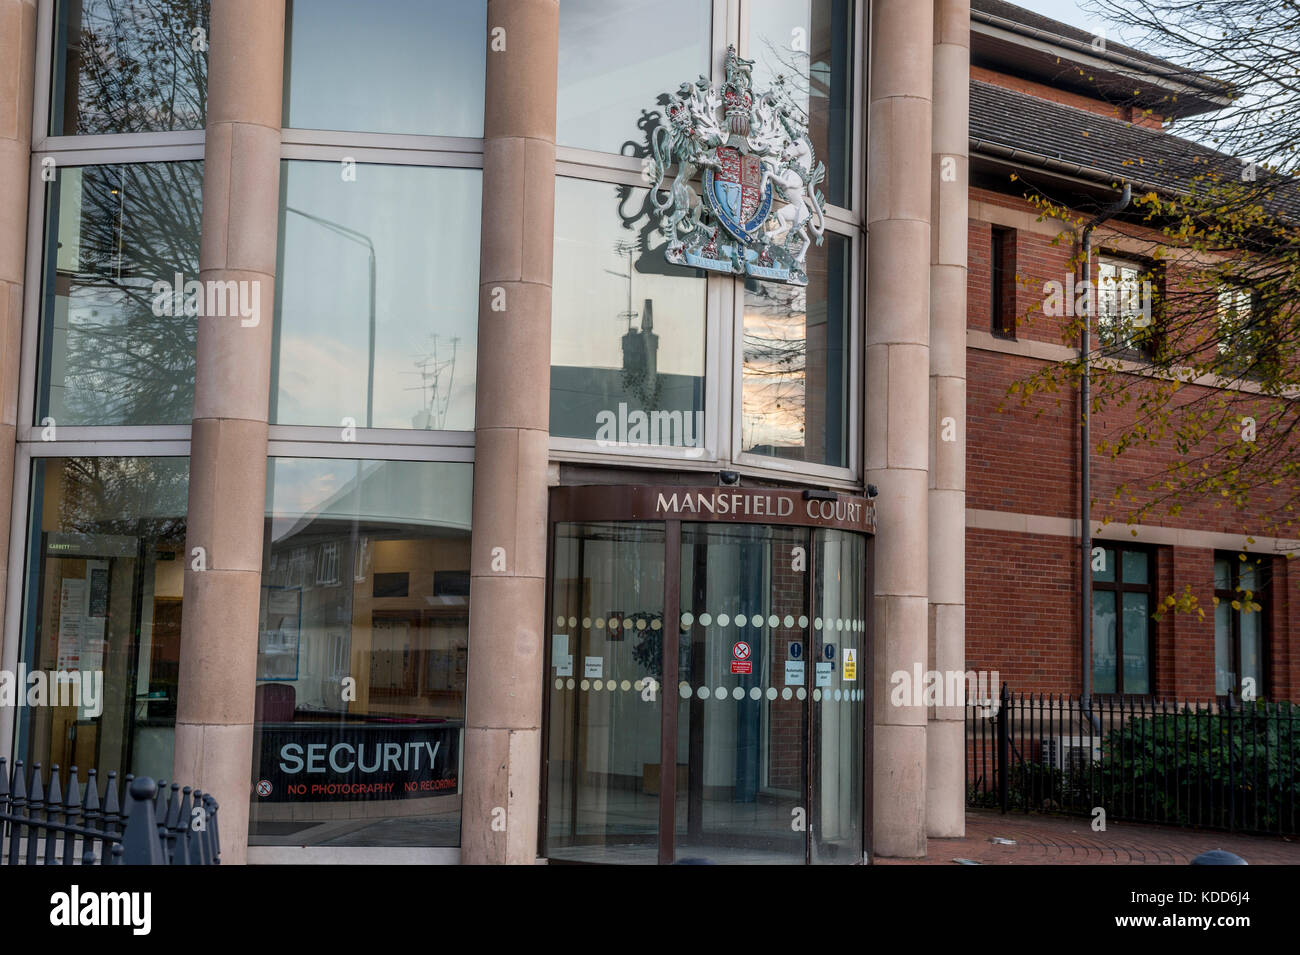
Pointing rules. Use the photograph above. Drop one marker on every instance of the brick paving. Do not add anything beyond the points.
(1069, 840)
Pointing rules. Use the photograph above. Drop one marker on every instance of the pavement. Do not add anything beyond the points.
(1070, 840)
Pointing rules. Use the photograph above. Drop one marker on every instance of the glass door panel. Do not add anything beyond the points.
(742, 697)
(605, 668)
(838, 696)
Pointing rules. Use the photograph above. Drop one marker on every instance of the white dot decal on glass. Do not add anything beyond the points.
(688, 619)
(723, 620)
(600, 623)
(597, 686)
(705, 619)
(755, 693)
(757, 620)
(683, 690)
(702, 693)
(586, 623)
(817, 624)
(739, 620)
(785, 693)
(640, 624)
(774, 621)
(611, 685)
(585, 685)
(559, 684)
(839, 624)
(738, 693)
(568, 684)
(627, 685)
(803, 622)
(720, 693)
(559, 621)
(801, 693)
(613, 623)
(837, 696)
(789, 621)
(656, 623)
(771, 693)
(573, 622)
(817, 695)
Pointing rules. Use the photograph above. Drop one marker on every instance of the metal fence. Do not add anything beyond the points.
(1211, 764)
(40, 826)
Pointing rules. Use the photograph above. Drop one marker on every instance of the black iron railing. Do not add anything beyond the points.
(52, 827)
(1211, 764)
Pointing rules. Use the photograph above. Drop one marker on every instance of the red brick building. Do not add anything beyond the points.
(1057, 113)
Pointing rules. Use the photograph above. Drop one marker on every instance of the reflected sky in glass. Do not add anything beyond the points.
(420, 227)
(617, 57)
(396, 66)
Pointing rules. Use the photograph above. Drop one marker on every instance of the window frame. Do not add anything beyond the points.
(724, 328)
(1118, 587)
(1135, 346)
(1264, 571)
(1002, 313)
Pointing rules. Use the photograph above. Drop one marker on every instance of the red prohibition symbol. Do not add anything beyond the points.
(740, 651)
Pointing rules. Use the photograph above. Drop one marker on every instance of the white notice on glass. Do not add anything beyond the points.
(824, 671)
(559, 648)
(564, 667)
(593, 667)
(794, 673)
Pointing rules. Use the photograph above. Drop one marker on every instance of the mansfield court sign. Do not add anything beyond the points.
(761, 207)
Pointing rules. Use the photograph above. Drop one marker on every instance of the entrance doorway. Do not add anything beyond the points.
(722, 633)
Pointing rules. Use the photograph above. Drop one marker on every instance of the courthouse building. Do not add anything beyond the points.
(425, 470)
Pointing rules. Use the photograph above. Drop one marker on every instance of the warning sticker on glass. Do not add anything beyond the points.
(824, 673)
(564, 667)
(794, 673)
(593, 667)
(850, 664)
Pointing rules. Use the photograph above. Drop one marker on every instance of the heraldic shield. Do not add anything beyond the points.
(737, 193)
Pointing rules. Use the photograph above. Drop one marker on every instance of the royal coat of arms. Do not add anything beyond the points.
(761, 209)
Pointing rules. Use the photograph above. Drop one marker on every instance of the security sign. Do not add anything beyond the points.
(850, 664)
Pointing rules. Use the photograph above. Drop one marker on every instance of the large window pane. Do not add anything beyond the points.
(795, 378)
(1104, 653)
(1225, 677)
(385, 264)
(118, 324)
(627, 328)
(105, 569)
(807, 46)
(362, 654)
(617, 58)
(129, 66)
(399, 66)
(1137, 671)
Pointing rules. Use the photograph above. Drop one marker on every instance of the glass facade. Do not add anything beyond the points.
(102, 605)
(129, 66)
(362, 653)
(377, 311)
(611, 80)
(400, 66)
(121, 294)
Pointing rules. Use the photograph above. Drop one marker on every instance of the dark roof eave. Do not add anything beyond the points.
(1014, 154)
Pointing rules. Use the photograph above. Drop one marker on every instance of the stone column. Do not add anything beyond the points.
(227, 503)
(945, 804)
(897, 438)
(17, 75)
(512, 422)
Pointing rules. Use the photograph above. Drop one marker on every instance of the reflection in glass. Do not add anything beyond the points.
(383, 266)
(1104, 569)
(606, 640)
(742, 736)
(627, 329)
(1104, 653)
(617, 57)
(795, 379)
(1136, 642)
(1225, 677)
(104, 591)
(113, 350)
(362, 653)
(807, 45)
(129, 66)
(400, 66)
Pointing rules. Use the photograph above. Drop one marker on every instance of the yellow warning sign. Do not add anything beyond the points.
(850, 664)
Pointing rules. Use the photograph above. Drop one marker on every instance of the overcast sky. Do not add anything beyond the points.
(1067, 11)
